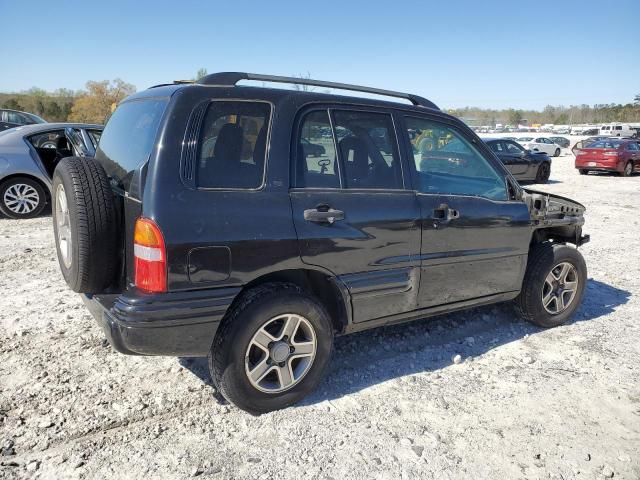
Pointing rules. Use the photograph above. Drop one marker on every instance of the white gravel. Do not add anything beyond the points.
(522, 402)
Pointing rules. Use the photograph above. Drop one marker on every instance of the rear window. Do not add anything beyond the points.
(233, 144)
(129, 137)
(605, 144)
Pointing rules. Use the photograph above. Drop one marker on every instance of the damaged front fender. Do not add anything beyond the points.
(555, 218)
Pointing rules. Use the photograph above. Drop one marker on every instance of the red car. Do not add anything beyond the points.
(610, 155)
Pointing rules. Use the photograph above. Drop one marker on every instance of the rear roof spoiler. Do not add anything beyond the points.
(230, 79)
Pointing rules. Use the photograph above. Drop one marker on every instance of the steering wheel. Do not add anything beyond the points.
(323, 163)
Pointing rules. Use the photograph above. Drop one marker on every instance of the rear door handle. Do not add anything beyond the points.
(323, 214)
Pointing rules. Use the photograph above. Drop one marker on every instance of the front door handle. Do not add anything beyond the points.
(444, 214)
(323, 214)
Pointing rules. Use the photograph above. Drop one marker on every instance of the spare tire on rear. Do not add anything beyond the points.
(84, 223)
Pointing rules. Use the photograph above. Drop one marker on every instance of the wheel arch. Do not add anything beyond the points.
(326, 288)
(45, 187)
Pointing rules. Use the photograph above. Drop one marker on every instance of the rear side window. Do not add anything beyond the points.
(129, 137)
(317, 165)
(367, 150)
(233, 144)
(496, 147)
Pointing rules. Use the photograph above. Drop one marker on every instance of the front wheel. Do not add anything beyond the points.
(553, 285)
(556, 153)
(272, 349)
(22, 197)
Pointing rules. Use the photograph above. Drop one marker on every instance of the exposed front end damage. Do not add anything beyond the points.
(555, 218)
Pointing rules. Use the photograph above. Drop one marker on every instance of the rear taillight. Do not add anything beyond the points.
(577, 152)
(150, 257)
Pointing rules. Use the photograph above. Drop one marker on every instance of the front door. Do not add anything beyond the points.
(353, 215)
(516, 159)
(475, 237)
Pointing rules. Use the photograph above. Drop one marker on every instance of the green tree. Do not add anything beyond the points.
(515, 117)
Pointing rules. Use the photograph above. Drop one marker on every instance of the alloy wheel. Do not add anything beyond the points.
(63, 221)
(21, 198)
(280, 353)
(560, 288)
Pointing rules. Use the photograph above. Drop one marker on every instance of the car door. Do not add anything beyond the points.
(355, 215)
(76, 139)
(475, 235)
(521, 164)
(497, 147)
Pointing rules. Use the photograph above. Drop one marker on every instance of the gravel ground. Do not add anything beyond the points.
(519, 403)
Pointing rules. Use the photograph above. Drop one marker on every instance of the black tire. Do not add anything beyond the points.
(556, 153)
(583, 171)
(92, 224)
(36, 194)
(543, 257)
(255, 308)
(628, 170)
(544, 172)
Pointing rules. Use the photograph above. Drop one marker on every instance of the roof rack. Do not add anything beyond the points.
(228, 79)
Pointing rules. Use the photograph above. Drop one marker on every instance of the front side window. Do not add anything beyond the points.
(233, 144)
(447, 163)
(633, 147)
(367, 150)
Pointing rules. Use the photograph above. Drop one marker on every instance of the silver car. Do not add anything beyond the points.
(28, 157)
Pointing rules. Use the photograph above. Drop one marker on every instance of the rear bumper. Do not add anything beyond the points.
(599, 164)
(176, 323)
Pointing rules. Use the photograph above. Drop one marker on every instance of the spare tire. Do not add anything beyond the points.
(84, 223)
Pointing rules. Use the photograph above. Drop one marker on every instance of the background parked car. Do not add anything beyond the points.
(312, 149)
(610, 155)
(562, 141)
(15, 118)
(523, 164)
(540, 144)
(28, 157)
(584, 142)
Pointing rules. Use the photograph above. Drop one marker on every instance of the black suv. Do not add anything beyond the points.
(209, 225)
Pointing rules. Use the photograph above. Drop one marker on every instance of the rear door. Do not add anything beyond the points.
(475, 237)
(354, 212)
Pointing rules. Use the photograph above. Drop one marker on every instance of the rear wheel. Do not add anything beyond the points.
(544, 172)
(22, 197)
(556, 153)
(272, 349)
(583, 171)
(628, 169)
(553, 285)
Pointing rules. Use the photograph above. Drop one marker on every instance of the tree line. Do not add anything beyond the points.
(558, 115)
(95, 103)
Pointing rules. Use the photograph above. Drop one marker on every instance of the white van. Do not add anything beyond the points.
(617, 130)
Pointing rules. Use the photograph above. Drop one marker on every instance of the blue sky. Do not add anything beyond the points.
(457, 53)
